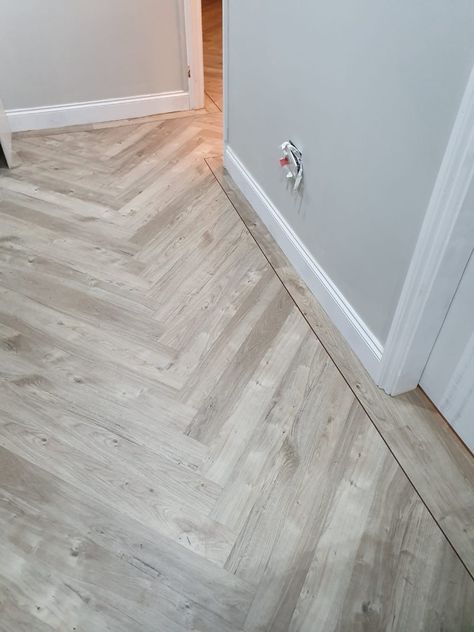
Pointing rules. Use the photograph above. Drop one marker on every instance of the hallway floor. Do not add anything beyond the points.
(212, 44)
(178, 450)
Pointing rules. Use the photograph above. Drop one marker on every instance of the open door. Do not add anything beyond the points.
(5, 137)
(448, 378)
(212, 29)
(194, 51)
(206, 47)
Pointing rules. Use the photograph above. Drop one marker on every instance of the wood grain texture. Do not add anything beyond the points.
(178, 451)
(435, 460)
(212, 43)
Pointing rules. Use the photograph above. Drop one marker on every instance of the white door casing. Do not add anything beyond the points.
(448, 378)
(5, 137)
(443, 248)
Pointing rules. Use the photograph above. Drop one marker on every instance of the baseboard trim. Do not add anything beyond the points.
(362, 341)
(25, 119)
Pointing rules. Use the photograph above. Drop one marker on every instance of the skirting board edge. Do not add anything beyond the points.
(362, 341)
(88, 112)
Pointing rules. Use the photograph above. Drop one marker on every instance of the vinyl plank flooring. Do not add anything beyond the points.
(435, 460)
(34, 494)
(178, 450)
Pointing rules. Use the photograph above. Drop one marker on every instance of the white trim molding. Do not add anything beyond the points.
(225, 65)
(5, 137)
(96, 111)
(443, 248)
(363, 342)
(194, 52)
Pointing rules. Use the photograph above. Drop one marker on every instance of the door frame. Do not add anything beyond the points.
(225, 66)
(194, 52)
(5, 137)
(441, 254)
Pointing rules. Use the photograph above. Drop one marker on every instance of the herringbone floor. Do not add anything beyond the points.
(178, 452)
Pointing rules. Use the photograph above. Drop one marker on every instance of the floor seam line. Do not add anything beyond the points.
(354, 391)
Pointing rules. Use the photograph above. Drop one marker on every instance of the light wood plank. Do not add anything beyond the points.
(437, 463)
(178, 451)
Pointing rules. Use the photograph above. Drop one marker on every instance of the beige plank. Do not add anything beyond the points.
(31, 496)
(117, 473)
(436, 462)
(177, 449)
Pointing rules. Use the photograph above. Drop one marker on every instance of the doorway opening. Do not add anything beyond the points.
(212, 48)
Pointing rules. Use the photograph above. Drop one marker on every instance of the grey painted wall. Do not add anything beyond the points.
(66, 51)
(369, 90)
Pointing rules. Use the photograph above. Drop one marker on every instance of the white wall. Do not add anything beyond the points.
(56, 52)
(369, 90)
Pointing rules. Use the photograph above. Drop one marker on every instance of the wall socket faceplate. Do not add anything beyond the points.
(291, 161)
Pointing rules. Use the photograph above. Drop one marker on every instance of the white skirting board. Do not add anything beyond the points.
(362, 341)
(96, 111)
